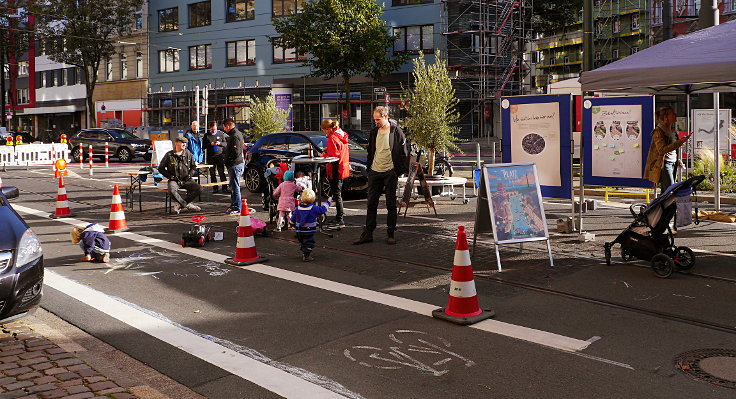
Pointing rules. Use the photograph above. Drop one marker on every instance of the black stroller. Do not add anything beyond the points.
(270, 203)
(650, 238)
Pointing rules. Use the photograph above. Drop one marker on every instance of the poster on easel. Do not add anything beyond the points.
(160, 148)
(703, 132)
(415, 172)
(537, 129)
(617, 132)
(510, 206)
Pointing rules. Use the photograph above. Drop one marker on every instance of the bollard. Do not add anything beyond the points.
(90, 160)
(81, 156)
(107, 156)
(53, 159)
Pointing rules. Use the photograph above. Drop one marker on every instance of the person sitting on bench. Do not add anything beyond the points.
(178, 166)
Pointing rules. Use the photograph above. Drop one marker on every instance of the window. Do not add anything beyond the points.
(566, 59)
(242, 52)
(397, 3)
(412, 39)
(597, 55)
(616, 24)
(138, 23)
(598, 28)
(283, 8)
(168, 19)
(22, 96)
(634, 49)
(42, 75)
(80, 76)
(49, 79)
(108, 70)
(635, 22)
(6, 71)
(200, 57)
(22, 68)
(551, 60)
(240, 10)
(123, 66)
(199, 14)
(281, 55)
(615, 54)
(60, 77)
(54, 79)
(168, 60)
(138, 64)
(71, 76)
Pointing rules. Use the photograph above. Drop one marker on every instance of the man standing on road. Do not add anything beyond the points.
(388, 158)
(214, 144)
(195, 142)
(178, 166)
(233, 156)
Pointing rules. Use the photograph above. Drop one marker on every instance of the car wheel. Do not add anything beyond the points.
(124, 155)
(253, 180)
(75, 154)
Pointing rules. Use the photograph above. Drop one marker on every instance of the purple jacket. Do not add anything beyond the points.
(94, 240)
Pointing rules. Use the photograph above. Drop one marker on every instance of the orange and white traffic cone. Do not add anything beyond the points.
(245, 249)
(117, 215)
(462, 307)
(62, 202)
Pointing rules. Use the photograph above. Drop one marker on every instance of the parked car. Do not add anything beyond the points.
(277, 147)
(359, 136)
(122, 144)
(27, 137)
(21, 263)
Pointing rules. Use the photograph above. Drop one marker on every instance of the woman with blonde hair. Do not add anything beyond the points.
(337, 146)
(662, 158)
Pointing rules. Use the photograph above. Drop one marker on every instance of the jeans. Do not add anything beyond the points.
(336, 191)
(377, 184)
(667, 178)
(234, 173)
(193, 190)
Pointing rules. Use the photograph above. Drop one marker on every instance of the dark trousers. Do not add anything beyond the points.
(192, 187)
(377, 184)
(336, 191)
(217, 162)
(306, 242)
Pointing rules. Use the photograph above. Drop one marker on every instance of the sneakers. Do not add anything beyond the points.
(179, 209)
(365, 237)
(390, 240)
(339, 224)
(193, 207)
(232, 211)
(307, 258)
(106, 257)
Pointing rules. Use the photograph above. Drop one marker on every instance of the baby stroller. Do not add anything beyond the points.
(650, 238)
(270, 203)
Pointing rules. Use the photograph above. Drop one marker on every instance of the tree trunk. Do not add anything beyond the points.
(430, 165)
(89, 85)
(346, 89)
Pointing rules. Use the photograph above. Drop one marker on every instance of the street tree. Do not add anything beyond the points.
(552, 14)
(431, 107)
(83, 33)
(342, 38)
(266, 117)
(16, 36)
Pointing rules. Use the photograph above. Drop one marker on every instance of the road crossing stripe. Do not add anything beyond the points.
(494, 326)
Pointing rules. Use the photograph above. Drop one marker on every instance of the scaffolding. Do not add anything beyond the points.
(485, 45)
(621, 29)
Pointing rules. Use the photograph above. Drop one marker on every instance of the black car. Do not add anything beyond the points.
(21, 263)
(276, 147)
(25, 136)
(358, 136)
(122, 144)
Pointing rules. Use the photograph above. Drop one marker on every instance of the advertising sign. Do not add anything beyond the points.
(617, 134)
(537, 129)
(283, 98)
(703, 128)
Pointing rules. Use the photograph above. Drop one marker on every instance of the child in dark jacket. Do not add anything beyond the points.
(93, 241)
(305, 217)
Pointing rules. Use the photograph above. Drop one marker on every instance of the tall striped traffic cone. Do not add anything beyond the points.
(245, 249)
(62, 202)
(462, 307)
(117, 215)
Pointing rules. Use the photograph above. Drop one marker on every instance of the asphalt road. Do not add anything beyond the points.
(355, 322)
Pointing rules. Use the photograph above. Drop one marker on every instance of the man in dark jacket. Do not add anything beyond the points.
(233, 156)
(179, 167)
(388, 158)
(214, 144)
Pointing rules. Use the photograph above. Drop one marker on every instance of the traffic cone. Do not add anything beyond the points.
(245, 249)
(117, 215)
(462, 307)
(62, 203)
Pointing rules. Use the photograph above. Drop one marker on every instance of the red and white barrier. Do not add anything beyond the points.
(91, 172)
(107, 156)
(81, 156)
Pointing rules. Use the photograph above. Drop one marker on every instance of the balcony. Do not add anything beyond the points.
(561, 40)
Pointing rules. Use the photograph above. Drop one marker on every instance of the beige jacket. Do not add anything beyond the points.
(657, 149)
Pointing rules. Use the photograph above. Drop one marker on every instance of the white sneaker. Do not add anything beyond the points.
(193, 207)
(179, 209)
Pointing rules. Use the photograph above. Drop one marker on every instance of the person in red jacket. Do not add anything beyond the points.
(337, 146)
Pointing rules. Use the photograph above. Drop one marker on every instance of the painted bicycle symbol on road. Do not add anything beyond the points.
(415, 349)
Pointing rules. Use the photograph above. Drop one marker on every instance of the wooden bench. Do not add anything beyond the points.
(162, 186)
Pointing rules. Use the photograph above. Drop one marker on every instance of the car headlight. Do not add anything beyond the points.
(29, 249)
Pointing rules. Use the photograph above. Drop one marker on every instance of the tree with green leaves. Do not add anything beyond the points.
(553, 14)
(343, 39)
(431, 107)
(266, 117)
(83, 33)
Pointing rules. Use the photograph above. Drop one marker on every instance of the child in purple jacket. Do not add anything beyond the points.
(305, 217)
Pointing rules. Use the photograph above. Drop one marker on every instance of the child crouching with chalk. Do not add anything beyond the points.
(305, 217)
(93, 241)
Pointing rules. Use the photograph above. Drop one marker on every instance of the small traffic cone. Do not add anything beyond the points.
(245, 249)
(462, 307)
(62, 202)
(117, 215)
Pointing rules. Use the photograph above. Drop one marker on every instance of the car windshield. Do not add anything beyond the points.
(124, 134)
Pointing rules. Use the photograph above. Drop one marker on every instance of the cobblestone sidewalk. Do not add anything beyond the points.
(31, 366)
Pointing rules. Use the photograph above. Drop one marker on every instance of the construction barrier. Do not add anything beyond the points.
(33, 154)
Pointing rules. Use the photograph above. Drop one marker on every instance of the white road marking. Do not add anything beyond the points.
(544, 338)
(271, 378)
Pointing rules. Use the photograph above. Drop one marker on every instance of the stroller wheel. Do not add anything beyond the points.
(626, 255)
(684, 258)
(607, 252)
(662, 265)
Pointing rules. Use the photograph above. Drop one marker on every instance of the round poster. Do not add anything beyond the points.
(533, 143)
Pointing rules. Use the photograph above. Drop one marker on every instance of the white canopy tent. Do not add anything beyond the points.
(699, 62)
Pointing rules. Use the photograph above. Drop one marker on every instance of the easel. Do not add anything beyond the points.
(415, 171)
(484, 220)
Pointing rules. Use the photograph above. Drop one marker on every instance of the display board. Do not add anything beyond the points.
(704, 127)
(617, 132)
(537, 129)
(160, 148)
(415, 172)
